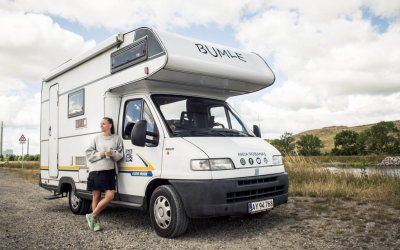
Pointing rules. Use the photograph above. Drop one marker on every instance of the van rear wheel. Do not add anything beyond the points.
(167, 213)
(78, 205)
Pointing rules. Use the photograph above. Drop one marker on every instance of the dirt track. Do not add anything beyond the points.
(27, 221)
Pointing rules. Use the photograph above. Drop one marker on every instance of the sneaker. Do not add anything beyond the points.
(97, 227)
(90, 221)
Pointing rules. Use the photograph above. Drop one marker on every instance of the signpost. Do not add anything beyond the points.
(22, 140)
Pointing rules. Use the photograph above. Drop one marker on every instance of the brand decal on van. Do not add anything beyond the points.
(218, 53)
(145, 171)
(252, 154)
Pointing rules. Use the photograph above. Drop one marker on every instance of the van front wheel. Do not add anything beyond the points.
(167, 212)
(78, 205)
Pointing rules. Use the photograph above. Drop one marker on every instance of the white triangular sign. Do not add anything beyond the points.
(22, 138)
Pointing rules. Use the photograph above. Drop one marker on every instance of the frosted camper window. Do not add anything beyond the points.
(128, 56)
(76, 103)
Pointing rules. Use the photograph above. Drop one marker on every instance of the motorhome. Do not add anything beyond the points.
(187, 152)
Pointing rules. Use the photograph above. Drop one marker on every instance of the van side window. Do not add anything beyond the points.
(132, 115)
(76, 103)
(151, 123)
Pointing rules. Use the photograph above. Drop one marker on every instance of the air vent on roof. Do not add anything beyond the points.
(80, 160)
(80, 123)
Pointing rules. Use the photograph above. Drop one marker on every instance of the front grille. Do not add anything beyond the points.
(256, 181)
(254, 194)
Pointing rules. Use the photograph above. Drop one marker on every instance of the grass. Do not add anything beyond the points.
(18, 164)
(308, 179)
(30, 172)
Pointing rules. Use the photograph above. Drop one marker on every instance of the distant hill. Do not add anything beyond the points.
(327, 134)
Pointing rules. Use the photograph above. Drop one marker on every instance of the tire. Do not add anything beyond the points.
(167, 213)
(78, 205)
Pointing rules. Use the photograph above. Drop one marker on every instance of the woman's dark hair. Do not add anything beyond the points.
(111, 122)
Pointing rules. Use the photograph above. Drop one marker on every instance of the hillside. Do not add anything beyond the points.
(327, 134)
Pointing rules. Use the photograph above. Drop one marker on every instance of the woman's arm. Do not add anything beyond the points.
(118, 153)
(92, 154)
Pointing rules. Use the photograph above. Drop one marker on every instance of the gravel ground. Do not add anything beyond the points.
(27, 221)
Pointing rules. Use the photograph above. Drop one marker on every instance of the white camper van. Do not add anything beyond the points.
(187, 152)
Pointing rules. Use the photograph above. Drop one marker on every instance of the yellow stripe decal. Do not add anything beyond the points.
(68, 168)
(149, 168)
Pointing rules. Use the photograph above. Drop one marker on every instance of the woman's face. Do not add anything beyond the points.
(105, 125)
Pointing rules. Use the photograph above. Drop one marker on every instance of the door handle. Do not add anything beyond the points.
(50, 131)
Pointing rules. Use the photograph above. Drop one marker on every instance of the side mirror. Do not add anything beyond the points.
(257, 131)
(138, 136)
(139, 132)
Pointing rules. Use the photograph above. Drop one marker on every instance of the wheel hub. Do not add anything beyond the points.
(162, 212)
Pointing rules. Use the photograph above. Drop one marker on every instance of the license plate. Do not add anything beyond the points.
(259, 206)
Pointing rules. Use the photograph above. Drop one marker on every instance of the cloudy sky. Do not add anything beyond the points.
(337, 62)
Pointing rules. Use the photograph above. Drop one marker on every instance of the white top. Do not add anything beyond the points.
(104, 143)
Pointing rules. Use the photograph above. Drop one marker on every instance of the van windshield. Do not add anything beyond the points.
(194, 116)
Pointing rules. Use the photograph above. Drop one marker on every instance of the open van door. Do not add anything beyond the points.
(53, 131)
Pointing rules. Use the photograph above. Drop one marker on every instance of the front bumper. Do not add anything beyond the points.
(212, 198)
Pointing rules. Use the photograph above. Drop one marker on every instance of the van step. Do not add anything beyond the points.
(52, 197)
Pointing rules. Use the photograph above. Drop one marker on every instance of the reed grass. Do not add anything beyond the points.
(31, 175)
(308, 178)
(18, 164)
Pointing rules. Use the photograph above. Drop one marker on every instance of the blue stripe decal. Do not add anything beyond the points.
(138, 173)
(68, 170)
(44, 169)
(143, 160)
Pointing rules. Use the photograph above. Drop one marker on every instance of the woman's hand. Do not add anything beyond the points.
(102, 154)
(109, 152)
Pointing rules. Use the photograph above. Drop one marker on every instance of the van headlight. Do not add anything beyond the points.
(212, 164)
(277, 160)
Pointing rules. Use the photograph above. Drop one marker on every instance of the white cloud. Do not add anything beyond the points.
(126, 14)
(31, 45)
(359, 110)
(17, 111)
(11, 85)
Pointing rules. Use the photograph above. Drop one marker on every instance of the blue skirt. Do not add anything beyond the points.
(101, 180)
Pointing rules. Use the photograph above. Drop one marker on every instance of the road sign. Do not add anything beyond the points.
(22, 142)
(22, 138)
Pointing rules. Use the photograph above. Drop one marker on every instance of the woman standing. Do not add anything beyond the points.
(103, 154)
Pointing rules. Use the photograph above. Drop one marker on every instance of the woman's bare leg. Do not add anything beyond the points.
(109, 196)
(96, 199)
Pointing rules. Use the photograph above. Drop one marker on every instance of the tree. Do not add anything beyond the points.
(384, 138)
(309, 145)
(11, 158)
(26, 157)
(1, 158)
(37, 157)
(287, 143)
(362, 143)
(345, 143)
